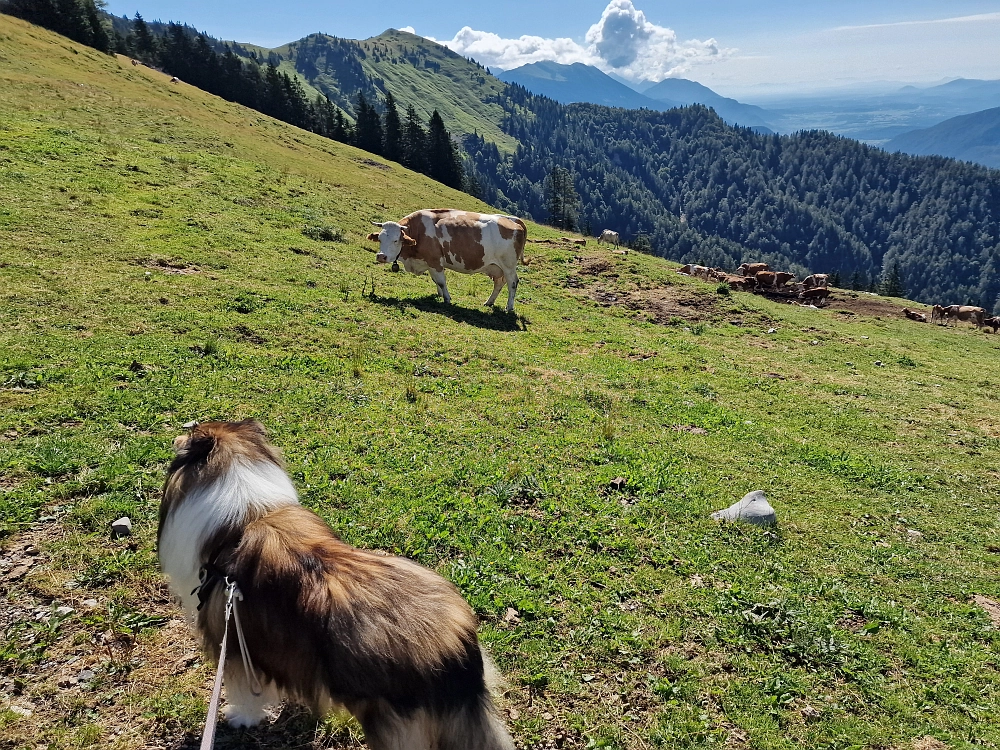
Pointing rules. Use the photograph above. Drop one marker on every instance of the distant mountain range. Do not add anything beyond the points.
(974, 137)
(877, 115)
(576, 83)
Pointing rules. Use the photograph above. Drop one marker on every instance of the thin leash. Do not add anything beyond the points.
(233, 594)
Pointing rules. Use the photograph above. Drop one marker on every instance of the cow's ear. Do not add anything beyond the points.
(408, 241)
(373, 237)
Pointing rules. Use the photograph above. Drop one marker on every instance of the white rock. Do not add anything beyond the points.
(753, 508)
(20, 710)
(772, 330)
(64, 611)
(121, 527)
(913, 534)
(91, 603)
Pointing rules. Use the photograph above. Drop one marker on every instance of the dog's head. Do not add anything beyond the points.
(213, 451)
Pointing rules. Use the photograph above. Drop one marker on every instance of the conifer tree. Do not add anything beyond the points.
(367, 126)
(145, 42)
(393, 146)
(414, 142)
(444, 163)
(892, 283)
(561, 199)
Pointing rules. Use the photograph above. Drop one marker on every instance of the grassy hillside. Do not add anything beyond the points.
(158, 265)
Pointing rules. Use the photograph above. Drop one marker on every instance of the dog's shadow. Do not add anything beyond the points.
(491, 318)
(294, 727)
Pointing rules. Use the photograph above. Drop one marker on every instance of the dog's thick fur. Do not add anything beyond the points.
(326, 624)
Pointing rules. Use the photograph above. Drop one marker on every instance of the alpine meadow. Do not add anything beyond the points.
(169, 256)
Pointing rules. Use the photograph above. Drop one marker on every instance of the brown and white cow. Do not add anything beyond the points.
(916, 316)
(815, 281)
(781, 278)
(752, 269)
(436, 239)
(608, 236)
(970, 314)
(814, 295)
(765, 279)
(993, 323)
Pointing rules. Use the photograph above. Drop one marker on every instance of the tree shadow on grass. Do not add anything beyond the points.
(491, 318)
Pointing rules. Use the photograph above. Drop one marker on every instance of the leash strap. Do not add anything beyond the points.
(208, 736)
(255, 686)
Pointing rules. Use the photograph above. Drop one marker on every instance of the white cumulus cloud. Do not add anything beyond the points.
(623, 41)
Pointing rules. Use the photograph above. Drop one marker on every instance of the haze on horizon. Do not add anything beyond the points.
(771, 47)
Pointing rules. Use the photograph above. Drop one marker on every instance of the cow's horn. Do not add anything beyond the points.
(378, 224)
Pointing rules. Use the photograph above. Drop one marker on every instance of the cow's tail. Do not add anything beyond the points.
(520, 239)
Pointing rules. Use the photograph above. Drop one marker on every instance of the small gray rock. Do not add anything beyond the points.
(64, 611)
(753, 508)
(85, 675)
(121, 527)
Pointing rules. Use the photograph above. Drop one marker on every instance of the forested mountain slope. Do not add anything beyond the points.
(417, 71)
(810, 201)
(974, 137)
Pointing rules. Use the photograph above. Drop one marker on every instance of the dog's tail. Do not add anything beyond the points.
(475, 727)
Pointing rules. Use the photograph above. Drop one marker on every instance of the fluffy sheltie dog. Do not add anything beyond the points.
(326, 624)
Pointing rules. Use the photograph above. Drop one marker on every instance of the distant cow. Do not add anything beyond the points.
(686, 270)
(816, 280)
(741, 283)
(781, 278)
(919, 317)
(433, 240)
(765, 279)
(134, 62)
(969, 314)
(814, 295)
(938, 313)
(752, 269)
(175, 79)
(993, 323)
(608, 236)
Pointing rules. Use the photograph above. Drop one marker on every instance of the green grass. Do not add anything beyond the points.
(158, 267)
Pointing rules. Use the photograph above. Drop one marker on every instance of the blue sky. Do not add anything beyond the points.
(729, 44)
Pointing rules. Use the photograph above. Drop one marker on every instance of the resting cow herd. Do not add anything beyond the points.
(758, 277)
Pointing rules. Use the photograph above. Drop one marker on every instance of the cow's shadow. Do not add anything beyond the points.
(491, 318)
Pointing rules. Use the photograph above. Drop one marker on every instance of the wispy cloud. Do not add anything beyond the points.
(957, 19)
(623, 41)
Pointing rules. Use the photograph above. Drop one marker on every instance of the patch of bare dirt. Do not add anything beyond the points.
(990, 607)
(862, 303)
(164, 265)
(929, 743)
(373, 163)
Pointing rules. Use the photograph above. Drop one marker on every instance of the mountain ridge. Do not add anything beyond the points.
(974, 137)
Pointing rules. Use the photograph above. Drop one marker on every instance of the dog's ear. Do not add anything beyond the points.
(408, 241)
(373, 237)
(194, 448)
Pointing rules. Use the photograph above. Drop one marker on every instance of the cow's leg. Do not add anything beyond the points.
(511, 277)
(498, 282)
(442, 284)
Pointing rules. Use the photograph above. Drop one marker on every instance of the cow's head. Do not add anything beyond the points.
(392, 239)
